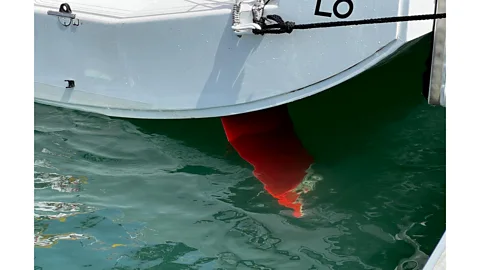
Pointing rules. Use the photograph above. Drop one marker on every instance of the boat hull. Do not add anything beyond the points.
(190, 64)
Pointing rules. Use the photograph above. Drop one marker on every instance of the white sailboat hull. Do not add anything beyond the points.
(181, 59)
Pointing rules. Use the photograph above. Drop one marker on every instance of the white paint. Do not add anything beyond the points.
(418, 28)
(437, 260)
(139, 8)
(181, 59)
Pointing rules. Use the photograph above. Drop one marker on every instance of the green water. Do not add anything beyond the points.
(138, 194)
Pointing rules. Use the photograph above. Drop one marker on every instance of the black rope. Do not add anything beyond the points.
(281, 27)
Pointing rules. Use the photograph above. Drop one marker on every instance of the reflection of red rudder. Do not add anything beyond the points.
(266, 139)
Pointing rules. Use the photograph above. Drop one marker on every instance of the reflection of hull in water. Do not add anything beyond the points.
(48, 240)
(267, 140)
(59, 182)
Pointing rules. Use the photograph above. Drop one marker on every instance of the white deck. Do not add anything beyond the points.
(181, 59)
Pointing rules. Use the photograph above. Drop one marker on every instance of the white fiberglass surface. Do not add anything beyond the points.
(139, 7)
